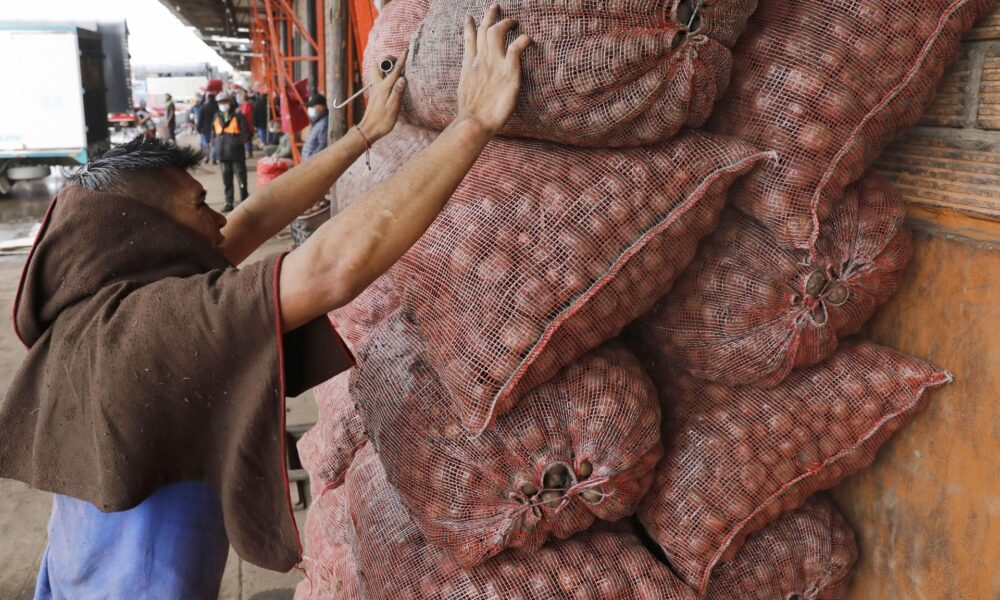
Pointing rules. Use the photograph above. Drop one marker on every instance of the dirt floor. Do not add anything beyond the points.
(24, 512)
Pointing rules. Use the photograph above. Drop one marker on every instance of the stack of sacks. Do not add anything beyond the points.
(581, 447)
(828, 85)
(528, 268)
(501, 414)
(361, 543)
(816, 244)
(506, 431)
(738, 457)
(748, 311)
(763, 405)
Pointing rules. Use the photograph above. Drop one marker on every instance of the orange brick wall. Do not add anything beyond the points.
(927, 513)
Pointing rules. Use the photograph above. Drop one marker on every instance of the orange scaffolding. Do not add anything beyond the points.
(274, 27)
(274, 30)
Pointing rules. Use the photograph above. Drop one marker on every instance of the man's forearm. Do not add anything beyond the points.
(271, 209)
(360, 243)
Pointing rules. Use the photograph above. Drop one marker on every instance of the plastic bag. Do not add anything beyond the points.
(748, 311)
(742, 456)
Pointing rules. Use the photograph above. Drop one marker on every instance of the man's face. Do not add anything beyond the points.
(188, 208)
(316, 111)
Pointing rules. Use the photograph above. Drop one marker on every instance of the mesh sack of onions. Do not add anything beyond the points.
(327, 449)
(329, 555)
(544, 252)
(623, 74)
(808, 553)
(828, 85)
(742, 456)
(748, 311)
(392, 32)
(395, 561)
(578, 448)
(270, 168)
(356, 320)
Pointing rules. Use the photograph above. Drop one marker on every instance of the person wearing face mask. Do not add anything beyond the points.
(282, 146)
(319, 116)
(232, 132)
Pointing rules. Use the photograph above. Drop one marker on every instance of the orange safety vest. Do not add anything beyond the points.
(233, 127)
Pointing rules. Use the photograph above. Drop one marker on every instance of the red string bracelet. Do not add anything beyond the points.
(368, 147)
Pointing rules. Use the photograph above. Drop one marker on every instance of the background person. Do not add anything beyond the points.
(261, 118)
(320, 119)
(246, 109)
(170, 114)
(282, 148)
(232, 132)
(206, 128)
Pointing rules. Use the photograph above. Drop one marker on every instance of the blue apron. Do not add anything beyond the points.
(172, 546)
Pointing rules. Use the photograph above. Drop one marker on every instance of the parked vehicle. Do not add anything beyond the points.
(48, 121)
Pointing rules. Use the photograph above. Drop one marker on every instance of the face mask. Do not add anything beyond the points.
(312, 112)
(224, 107)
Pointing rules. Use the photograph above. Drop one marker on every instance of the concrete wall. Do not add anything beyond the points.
(927, 513)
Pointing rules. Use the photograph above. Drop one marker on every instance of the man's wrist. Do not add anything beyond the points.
(472, 130)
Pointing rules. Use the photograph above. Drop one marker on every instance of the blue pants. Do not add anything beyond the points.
(206, 141)
(263, 135)
(173, 545)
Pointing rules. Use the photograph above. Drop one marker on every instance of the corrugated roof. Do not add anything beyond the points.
(222, 24)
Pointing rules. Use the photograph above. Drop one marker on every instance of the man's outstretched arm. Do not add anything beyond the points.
(359, 244)
(269, 210)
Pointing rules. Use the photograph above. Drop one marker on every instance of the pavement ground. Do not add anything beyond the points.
(24, 512)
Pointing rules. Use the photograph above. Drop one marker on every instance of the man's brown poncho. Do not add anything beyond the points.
(151, 360)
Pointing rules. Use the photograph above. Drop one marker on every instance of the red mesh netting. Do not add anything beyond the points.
(828, 85)
(807, 553)
(357, 320)
(622, 74)
(396, 562)
(580, 447)
(269, 168)
(742, 456)
(391, 33)
(749, 311)
(329, 555)
(328, 448)
(545, 251)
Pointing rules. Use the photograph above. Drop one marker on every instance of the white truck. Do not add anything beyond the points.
(54, 111)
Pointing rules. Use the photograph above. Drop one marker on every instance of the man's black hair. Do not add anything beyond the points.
(142, 154)
(315, 99)
(131, 169)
